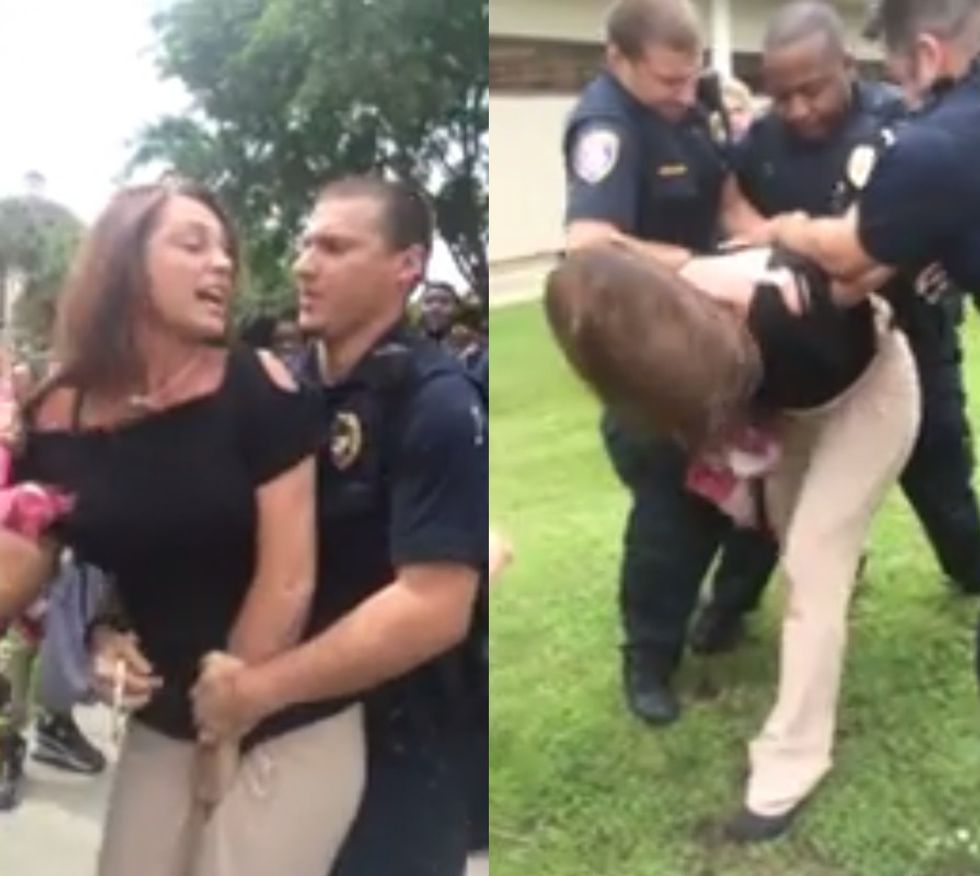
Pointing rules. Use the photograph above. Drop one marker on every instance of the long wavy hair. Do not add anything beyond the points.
(659, 354)
(95, 330)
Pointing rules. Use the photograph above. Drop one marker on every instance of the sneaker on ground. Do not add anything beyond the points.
(60, 743)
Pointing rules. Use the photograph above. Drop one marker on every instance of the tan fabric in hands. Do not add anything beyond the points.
(288, 810)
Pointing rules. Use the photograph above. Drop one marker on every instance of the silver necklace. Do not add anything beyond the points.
(150, 401)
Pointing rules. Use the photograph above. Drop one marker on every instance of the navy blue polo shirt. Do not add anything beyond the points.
(649, 177)
(439, 471)
(780, 173)
(481, 372)
(403, 474)
(922, 203)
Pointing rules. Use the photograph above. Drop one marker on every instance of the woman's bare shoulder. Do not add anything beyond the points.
(55, 411)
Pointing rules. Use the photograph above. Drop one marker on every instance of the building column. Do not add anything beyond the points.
(721, 36)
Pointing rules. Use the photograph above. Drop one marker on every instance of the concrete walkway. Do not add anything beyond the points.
(55, 831)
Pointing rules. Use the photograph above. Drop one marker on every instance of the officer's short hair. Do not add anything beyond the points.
(633, 26)
(407, 217)
(898, 22)
(804, 19)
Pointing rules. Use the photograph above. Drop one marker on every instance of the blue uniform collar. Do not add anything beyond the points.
(944, 88)
(385, 365)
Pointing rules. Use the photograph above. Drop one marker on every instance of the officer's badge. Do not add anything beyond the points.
(346, 440)
(861, 165)
(596, 154)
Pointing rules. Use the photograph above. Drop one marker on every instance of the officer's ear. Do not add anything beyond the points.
(412, 263)
(616, 61)
(929, 60)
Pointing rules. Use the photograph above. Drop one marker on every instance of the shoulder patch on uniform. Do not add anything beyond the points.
(596, 153)
(861, 165)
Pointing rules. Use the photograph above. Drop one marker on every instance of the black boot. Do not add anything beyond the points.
(60, 743)
(12, 749)
(646, 682)
(716, 630)
(748, 827)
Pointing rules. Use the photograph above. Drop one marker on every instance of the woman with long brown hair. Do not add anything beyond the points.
(837, 388)
(190, 465)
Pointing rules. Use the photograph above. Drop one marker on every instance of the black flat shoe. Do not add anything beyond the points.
(648, 691)
(748, 827)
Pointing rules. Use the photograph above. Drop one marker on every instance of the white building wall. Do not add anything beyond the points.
(581, 20)
(527, 190)
(578, 20)
(527, 187)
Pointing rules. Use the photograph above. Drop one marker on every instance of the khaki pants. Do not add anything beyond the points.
(291, 805)
(838, 463)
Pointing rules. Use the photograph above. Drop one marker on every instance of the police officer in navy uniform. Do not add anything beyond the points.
(812, 152)
(440, 317)
(921, 201)
(403, 515)
(647, 172)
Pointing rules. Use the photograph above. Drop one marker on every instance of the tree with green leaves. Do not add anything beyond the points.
(289, 93)
(38, 239)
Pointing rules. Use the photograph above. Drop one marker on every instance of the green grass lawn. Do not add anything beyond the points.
(581, 789)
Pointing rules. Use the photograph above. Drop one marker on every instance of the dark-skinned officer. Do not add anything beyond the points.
(645, 172)
(811, 153)
(921, 202)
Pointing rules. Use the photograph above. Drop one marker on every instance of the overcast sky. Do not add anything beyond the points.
(77, 83)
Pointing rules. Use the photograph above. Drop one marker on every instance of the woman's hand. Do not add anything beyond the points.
(120, 671)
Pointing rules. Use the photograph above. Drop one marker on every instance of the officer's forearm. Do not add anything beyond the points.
(849, 292)
(665, 255)
(398, 629)
(583, 234)
(739, 219)
(831, 242)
